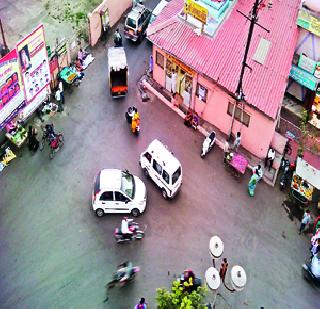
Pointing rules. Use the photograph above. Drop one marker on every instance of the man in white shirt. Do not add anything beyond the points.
(315, 266)
(270, 158)
(58, 99)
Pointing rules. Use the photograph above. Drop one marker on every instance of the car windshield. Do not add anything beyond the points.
(131, 23)
(176, 175)
(127, 184)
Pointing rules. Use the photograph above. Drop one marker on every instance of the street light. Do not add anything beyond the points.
(212, 275)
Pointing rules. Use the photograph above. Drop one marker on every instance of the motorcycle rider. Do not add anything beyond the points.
(125, 230)
(124, 271)
(135, 122)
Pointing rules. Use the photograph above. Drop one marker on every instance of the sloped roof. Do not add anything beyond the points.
(220, 57)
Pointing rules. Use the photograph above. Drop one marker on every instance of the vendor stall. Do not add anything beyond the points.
(18, 136)
(236, 163)
(68, 75)
(304, 180)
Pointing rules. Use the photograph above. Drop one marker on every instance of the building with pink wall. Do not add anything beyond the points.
(206, 51)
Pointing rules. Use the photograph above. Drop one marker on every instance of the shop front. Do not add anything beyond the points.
(179, 79)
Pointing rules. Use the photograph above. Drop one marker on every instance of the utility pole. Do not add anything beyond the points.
(253, 18)
(5, 49)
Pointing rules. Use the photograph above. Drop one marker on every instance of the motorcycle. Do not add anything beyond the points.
(208, 144)
(137, 233)
(308, 274)
(130, 116)
(191, 119)
(56, 144)
(124, 274)
(287, 168)
(185, 277)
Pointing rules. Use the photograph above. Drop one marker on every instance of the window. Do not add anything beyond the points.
(166, 177)
(245, 119)
(148, 156)
(202, 93)
(157, 167)
(106, 196)
(160, 60)
(176, 175)
(119, 196)
(128, 184)
(131, 23)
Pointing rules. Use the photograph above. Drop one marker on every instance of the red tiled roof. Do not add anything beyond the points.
(220, 57)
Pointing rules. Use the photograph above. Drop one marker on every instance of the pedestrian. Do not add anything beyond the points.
(223, 269)
(60, 86)
(258, 170)
(150, 65)
(58, 99)
(141, 304)
(305, 221)
(174, 77)
(33, 143)
(237, 142)
(315, 246)
(226, 149)
(270, 158)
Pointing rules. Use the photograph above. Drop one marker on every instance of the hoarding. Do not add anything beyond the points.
(11, 91)
(308, 21)
(196, 10)
(303, 78)
(35, 69)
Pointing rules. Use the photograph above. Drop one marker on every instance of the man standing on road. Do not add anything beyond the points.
(58, 99)
(305, 221)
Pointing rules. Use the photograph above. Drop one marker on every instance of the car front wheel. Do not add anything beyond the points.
(135, 212)
(100, 212)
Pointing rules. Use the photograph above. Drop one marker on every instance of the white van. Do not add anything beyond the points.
(162, 167)
(157, 10)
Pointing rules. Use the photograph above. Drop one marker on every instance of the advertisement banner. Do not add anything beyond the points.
(307, 64)
(11, 91)
(303, 78)
(196, 10)
(308, 21)
(35, 69)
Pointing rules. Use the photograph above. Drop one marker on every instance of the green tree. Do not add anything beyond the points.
(72, 12)
(179, 298)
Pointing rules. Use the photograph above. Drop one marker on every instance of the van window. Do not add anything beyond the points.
(131, 23)
(165, 177)
(140, 21)
(106, 196)
(176, 175)
(148, 156)
(119, 196)
(157, 167)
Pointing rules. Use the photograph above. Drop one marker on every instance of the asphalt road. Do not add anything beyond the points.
(56, 253)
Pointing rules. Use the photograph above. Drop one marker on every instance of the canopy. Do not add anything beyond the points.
(308, 172)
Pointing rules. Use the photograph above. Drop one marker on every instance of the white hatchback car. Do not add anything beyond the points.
(117, 191)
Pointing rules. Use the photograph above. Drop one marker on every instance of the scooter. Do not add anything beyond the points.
(286, 167)
(208, 144)
(132, 110)
(191, 119)
(119, 276)
(137, 233)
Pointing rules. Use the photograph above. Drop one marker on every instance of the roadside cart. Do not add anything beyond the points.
(118, 72)
(68, 76)
(304, 180)
(236, 164)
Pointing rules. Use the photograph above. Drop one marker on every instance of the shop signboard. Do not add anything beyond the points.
(307, 64)
(196, 10)
(303, 78)
(181, 65)
(35, 69)
(308, 21)
(11, 91)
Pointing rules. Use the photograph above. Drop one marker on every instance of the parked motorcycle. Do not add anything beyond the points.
(191, 119)
(125, 273)
(287, 169)
(56, 144)
(208, 144)
(185, 277)
(137, 233)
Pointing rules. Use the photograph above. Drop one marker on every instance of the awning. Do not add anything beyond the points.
(308, 173)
